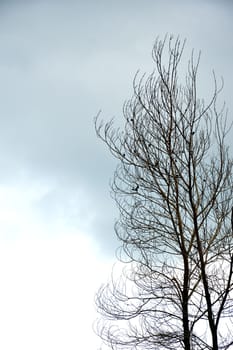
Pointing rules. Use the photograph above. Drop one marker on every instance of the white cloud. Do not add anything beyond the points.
(47, 291)
(49, 272)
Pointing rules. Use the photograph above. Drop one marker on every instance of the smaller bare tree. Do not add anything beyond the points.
(173, 188)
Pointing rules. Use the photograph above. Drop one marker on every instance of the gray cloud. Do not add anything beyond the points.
(61, 62)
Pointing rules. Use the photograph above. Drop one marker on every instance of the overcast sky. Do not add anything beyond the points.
(60, 63)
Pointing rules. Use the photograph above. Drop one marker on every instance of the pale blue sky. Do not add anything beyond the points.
(60, 62)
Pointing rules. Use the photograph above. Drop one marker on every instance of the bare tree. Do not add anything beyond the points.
(173, 188)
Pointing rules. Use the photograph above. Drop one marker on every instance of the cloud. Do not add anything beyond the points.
(60, 63)
(45, 286)
(50, 269)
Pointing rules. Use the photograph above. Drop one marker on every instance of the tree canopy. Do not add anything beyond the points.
(173, 188)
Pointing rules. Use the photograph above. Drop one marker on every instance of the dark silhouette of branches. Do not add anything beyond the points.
(173, 188)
